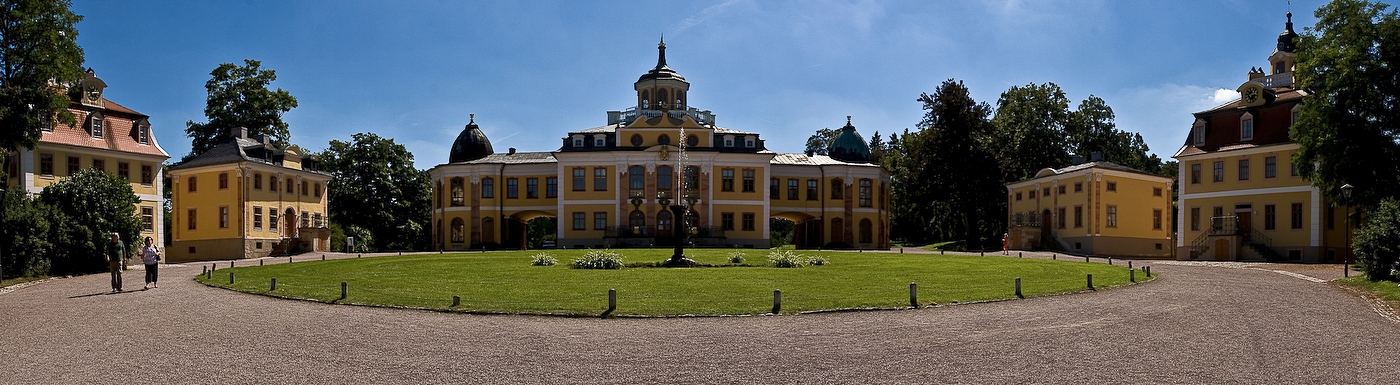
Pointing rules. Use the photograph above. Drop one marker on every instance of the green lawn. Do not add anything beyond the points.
(505, 282)
(1387, 290)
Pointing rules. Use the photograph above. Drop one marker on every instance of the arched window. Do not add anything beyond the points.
(459, 230)
(458, 192)
(663, 220)
(838, 230)
(692, 178)
(663, 139)
(291, 185)
(663, 178)
(488, 229)
(866, 231)
(837, 189)
(636, 178)
(272, 183)
(637, 221)
(865, 193)
(661, 97)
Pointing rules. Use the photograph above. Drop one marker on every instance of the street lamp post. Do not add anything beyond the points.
(1346, 254)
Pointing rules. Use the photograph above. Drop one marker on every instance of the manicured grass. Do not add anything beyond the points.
(505, 282)
(18, 280)
(1387, 290)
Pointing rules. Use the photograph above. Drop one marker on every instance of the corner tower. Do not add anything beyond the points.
(661, 88)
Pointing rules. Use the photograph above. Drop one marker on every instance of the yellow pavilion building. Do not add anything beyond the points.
(1096, 208)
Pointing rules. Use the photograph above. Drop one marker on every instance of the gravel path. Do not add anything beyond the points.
(1198, 323)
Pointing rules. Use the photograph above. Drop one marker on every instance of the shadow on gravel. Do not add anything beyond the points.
(102, 293)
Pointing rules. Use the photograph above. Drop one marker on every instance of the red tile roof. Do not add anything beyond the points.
(119, 131)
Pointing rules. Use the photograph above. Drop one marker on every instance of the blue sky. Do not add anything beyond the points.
(532, 71)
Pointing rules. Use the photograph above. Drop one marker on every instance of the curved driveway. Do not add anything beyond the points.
(1195, 324)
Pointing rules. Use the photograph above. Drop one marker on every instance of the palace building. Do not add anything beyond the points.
(1099, 208)
(1240, 196)
(609, 186)
(108, 137)
(247, 197)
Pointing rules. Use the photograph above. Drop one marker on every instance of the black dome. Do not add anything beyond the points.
(471, 144)
(849, 146)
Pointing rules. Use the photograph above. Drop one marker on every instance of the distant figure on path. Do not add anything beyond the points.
(151, 257)
(116, 255)
(1005, 243)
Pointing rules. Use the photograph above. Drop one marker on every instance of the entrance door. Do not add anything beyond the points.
(1222, 249)
(1244, 222)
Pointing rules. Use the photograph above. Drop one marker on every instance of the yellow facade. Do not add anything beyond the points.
(1095, 208)
(247, 207)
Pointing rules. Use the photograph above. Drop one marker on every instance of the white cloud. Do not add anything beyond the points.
(704, 14)
(1223, 96)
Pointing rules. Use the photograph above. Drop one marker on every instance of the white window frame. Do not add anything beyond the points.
(1198, 132)
(1246, 127)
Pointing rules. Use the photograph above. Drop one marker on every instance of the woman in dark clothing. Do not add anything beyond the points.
(151, 257)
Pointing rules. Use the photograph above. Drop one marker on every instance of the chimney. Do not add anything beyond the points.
(512, 151)
(238, 132)
(1095, 156)
(1074, 160)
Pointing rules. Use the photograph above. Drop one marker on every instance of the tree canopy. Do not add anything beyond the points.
(239, 97)
(1029, 132)
(1350, 65)
(93, 204)
(39, 57)
(820, 142)
(375, 187)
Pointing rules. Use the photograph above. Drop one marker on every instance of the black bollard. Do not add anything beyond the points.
(260, 262)
(456, 301)
(913, 294)
(1018, 288)
(1132, 275)
(230, 278)
(1091, 282)
(777, 301)
(344, 288)
(274, 285)
(612, 303)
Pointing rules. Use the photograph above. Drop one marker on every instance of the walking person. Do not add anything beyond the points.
(116, 256)
(151, 257)
(1005, 243)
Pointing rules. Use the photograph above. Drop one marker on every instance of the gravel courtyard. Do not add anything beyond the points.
(1197, 323)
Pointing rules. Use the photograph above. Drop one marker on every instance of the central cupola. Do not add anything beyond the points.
(661, 88)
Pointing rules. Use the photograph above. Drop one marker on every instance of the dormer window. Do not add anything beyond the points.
(578, 142)
(599, 141)
(1198, 132)
(143, 131)
(95, 125)
(1246, 127)
(1294, 115)
(748, 142)
(729, 140)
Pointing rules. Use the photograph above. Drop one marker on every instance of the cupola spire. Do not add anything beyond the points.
(661, 53)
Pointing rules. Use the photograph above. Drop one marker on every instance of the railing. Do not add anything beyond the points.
(1227, 225)
(629, 232)
(1276, 80)
(1199, 244)
(625, 117)
(1259, 238)
(1027, 219)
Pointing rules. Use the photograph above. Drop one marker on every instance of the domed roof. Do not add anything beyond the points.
(1287, 39)
(849, 146)
(661, 71)
(471, 144)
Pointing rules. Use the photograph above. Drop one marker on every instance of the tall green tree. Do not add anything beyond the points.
(375, 187)
(93, 204)
(959, 183)
(1346, 130)
(24, 235)
(1029, 130)
(1091, 129)
(239, 97)
(39, 58)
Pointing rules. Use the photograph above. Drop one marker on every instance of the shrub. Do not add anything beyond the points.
(785, 258)
(816, 261)
(543, 259)
(598, 259)
(736, 258)
(1377, 245)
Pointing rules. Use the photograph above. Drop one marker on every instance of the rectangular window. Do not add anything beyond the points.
(512, 188)
(748, 222)
(488, 189)
(1156, 219)
(148, 219)
(97, 126)
(191, 219)
(792, 189)
(1032, 194)
(1112, 216)
(1270, 166)
(223, 217)
(147, 175)
(726, 182)
(305, 219)
(838, 189)
(599, 142)
(317, 188)
(1018, 196)
(865, 193)
(532, 188)
(773, 188)
(600, 179)
(1270, 217)
(1111, 186)
(1246, 129)
(1078, 217)
(1060, 213)
(304, 190)
(193, 185)
(1156, 191)
(1244, 169)
(1046, 192)
(143, 135)
(1078, 186)
(73, 165)
(291, 185)
(1297, 216)
(272, 183)
(578, 179)
(99, 164)
(748, 180)
(223, 181)
(1219, 172)
(600, 220)
(726, 221)
(1292, 168)
(578, 221)
(551, 187)
(257, 218)
(1195, 173)
(272, 223)
(812, 189)
(1195, 219)
(1061, 190)
(124, 170)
